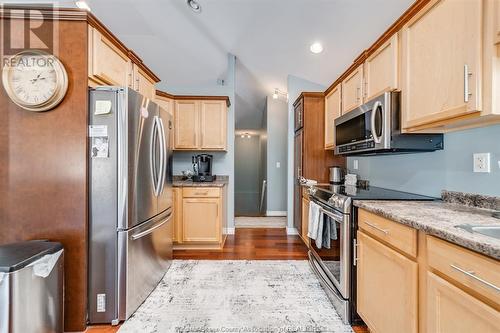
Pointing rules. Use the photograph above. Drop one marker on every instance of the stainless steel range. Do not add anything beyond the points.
(334, 264)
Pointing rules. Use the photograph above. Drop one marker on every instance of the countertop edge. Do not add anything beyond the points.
(465, 242)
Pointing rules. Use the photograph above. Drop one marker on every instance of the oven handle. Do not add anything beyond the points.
(337, 217)
(374, 112)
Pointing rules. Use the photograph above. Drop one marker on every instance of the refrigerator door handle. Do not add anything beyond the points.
(153, 162)
(150, 230)
(163, 157)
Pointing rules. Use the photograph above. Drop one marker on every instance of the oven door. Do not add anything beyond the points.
(334, 260)
(366, 128)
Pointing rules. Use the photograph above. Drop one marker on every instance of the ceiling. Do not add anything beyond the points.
(270, 39)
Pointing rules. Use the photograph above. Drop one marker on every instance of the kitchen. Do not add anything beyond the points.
(391, 196)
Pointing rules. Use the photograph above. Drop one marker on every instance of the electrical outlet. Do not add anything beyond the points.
(482, 162)
(278, 165)
(355, 164)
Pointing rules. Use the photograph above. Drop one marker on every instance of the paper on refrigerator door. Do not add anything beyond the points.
(44, 266)
(102, 107)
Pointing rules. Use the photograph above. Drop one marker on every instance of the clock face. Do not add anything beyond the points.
(35, 81)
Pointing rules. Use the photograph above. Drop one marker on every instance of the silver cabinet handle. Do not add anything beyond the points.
(472, 274)
(377, 228)
(467, 74)
(355, 252)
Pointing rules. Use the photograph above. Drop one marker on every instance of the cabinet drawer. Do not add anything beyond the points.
(400, 236)
(471, 269)
(201, 192)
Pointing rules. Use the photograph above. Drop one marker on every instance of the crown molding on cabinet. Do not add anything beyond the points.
(194, 97)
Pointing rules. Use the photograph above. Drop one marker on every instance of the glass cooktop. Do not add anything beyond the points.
(371, 193)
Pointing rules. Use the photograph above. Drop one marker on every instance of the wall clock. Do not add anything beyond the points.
(35, 80)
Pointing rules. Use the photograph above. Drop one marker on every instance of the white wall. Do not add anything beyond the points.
(223, 163)
(277, 118)
(295, 87)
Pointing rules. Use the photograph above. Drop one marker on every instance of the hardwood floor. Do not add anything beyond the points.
(253, 243)
(246, 244)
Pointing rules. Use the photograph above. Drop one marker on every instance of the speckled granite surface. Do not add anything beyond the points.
(472, 200)
(220, 181)
(439, 219)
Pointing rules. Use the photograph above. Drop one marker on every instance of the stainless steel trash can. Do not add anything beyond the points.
(31, 287)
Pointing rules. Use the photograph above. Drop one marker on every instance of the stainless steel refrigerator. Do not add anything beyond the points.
(130, 186)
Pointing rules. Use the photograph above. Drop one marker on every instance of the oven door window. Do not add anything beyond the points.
(354, 130)
(330, 251)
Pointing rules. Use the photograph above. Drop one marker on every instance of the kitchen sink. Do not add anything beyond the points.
(487, 230)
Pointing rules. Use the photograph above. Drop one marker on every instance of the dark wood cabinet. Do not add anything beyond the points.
(311, 160)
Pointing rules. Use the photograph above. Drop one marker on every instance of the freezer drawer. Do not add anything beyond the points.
(144, 255)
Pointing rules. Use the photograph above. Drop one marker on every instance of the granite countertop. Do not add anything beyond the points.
(439, 218)
(220, 181)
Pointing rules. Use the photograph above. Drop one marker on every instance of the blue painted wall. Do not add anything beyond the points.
(429, 173)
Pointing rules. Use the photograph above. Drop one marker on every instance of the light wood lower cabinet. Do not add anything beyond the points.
(451, 310)
(305, 220)
(333, 110)
(200, 219)
(496, 30)
(387, 283)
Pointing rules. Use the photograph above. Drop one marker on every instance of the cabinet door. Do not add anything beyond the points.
(352, 94)
(107, 64)
(451, 310)
(213, 125)
(297, 201)
(186, 128)
(165, 103)
(177, 211)
(381, 69)
(201, 219)
(332, 112)
(440, 86)
(299, 114)
(144, 85)
(305, 220)
(386, 287)
(497, 21)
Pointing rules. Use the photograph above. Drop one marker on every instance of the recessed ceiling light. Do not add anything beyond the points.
(194, 5)
(316, 48)
(82, 5)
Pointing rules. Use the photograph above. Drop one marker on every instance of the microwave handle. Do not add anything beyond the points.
(376, 105)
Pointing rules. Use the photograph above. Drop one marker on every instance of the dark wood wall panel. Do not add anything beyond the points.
(43, 171)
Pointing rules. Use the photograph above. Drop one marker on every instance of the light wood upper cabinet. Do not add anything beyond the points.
(352, 90)
(213, 125)
(496, 30)
(381, 69)
(143, 83)
(107, 64)
(387, 285)
(200, 125)
(165, 103)
(186, 125)
(201, 218)
(441, 63)
(451, 310)
(332, 111)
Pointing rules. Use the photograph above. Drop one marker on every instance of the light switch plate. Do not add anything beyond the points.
(355, 164)
(278, 165)
(482, 162)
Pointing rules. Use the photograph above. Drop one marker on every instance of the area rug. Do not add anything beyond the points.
(260, 222)
(237, 296)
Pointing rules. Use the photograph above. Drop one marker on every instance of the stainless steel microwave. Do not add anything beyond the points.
(375, 128)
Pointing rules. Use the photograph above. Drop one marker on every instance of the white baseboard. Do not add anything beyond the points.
(275, 213)
(291, 231)
(229, 231)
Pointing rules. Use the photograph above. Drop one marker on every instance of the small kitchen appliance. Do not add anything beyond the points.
(375, 128)
(202, 167)
(337, 175)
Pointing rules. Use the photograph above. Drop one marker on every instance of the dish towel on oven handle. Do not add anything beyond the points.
(316, 224)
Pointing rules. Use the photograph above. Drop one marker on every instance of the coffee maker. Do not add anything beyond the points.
(202, 167)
